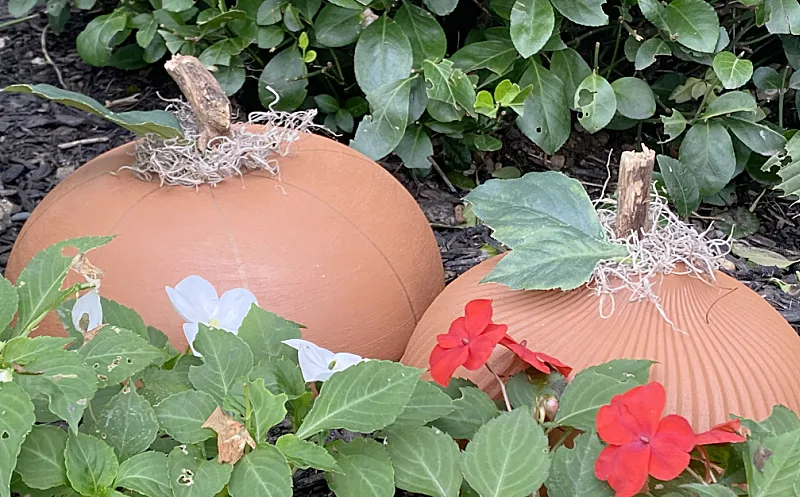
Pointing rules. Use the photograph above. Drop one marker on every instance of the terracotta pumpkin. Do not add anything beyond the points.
(737, 356)
(335, 243)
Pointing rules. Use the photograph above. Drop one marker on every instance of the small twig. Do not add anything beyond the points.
(17, 21)
(120, 102)
(49, 60)
(444, 176)
(502, 386)
(84, 141)
(696, 476)
(755, 202)
(478, 4)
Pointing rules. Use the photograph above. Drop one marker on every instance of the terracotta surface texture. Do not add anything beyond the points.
(335, 243)
(734, 352)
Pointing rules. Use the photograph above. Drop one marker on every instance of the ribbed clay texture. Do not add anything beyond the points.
(730, 351)
(334, 243)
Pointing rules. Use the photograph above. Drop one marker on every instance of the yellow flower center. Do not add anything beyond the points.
(214, 323)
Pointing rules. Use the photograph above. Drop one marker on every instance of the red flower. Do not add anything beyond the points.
(541, 362)
(721, 434)
(641, 442)
(469, 343)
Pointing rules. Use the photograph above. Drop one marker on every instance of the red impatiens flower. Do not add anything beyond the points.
(723, 433)
(469, 343)
(536, 359)
(641, 442)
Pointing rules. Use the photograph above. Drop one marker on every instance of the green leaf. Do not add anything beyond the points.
(64, 380)
(595, 386)
(545, 118)
(596, 101)
(572, 471)
(128, 424)
(767, 79)
(758, 137)
(263, 472)
(123, 317)
(191, 475)
(415, 148)
(344, 120)
(308, 8)
(91, 464)
(488, 143)
(116, 354)
(363, 398)
(160, 122)
(424, 33)
(303, 455)
(379, 133)
(674, 125)
(280, 376)
(496, 56)
(220, 53)
(470, 411)
(145, 473)
(532, 21)
(583, 12)
(571, 69)
(177, 5)
(449, 85)
(708, 150)
(773, 465)
(761, 256)
(508, 456)
(23, 350)
(425, 461)
(692, 23)
(264, 331)
(681, 185)
(8, 303)
(267, 409)
(336, 26)
(94, 43)
(790, 168)
(441, 7)
(182, 416)
(269, 37)
(269, 12)
(635, 99)
(427, 404)
(729, 103)
(19, 8)
(162, 383)
(226, 359)
(15, 424)
(780, 421)
(367, 469)
(784, 17)
(647, 52)
(41, 459)
(285, 74)
(231, 77)
(732, 71)
(703, 490)
(383, 55)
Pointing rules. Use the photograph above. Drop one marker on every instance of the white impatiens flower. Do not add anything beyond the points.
(87, 313)
(196, 300)
(318, 364)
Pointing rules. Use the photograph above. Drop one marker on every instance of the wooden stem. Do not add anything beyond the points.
(633, 191)
(211, 106)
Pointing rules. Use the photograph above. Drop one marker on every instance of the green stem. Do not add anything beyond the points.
(338, 66)
(781, 94)
(596, 56)
(696, 476)
(17, 21)
(502, 387)
(255, 56)
(615, 52)
(702, 103)
(563, 438)
(576, 41)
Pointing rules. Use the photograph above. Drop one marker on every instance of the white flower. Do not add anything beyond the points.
(5, 376)
(318, 364)
(196, 300)
(87, 313)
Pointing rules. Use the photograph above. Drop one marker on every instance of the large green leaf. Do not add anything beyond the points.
(784, 17)
(269, 12)
(732, 71)
(128, 424)
(8, 303)
(41, 459)
(415, 148)
(266, 409)
(571, 69)
(449, 84)
(15, 424)
(471, 410)
(302, 454)
(635, 99)
(182, 416)
(383, 55)
(336, 26)
(91, 464)
(773, 465)
(286, 75)
(572, 471)
(584, 12)
(220, 53)
(116, 354)
(23, 350)
(508, 456)
(758, 137)
(789, 171)
(263, 472)
(424, 32)
(366, 469)
(532, 22)
(381, 131)
(494, 55)
(427, 404)
(647, 52)
(280, 376)
(781, 420)
(145, 473)
(692, 23)
(124, 317)
(708, 150)
(595, 386)
(363, 398)
(441, 7)
(160, 384)
(264, 333)
(192, 475)
(19, 8)
(95, 41)
(596, 101)
(729, 103)
(226, 360)
(545, 118)
(425, 461)
(704, 490)
(681, 185)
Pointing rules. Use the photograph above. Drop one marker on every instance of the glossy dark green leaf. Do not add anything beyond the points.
(532, 21)
(380, 132)
(441, 7)
(647, 52)
(681, 185)
(415, 148)
(596, 101)
(732, 71)
(383, 55)
(496, 56)
(336, 26)
(285, 74)
(546, 117)
(424, 32)
(583, 12)
(635, 99)
(94, 42)
(707, 150)
(571, 69)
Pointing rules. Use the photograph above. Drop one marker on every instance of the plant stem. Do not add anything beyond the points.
(696, 476)
(596, 56)
(17, 21)
(338, 66)
(615, 52)
(576, 41)
(563, 438)
(781, 95)
(502, 386)
(255, 56)
(702, 102)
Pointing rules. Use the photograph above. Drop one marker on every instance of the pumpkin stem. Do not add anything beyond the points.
(633, 192)
(210, 105)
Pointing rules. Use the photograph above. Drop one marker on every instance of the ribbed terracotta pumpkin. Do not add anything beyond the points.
(335, 243)
(738, 354)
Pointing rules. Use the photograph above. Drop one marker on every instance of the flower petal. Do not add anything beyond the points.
(721, 434)
(614, 425)
(670, 448)
(624, 468)
(314, 360)
(555, 363)
(638, 411)
(190, 332)
(676, 431)
(343, 360)
(478, 315)
(444, 363)
(194, 299)
(88, 304)
(233, 307)
(525, 354)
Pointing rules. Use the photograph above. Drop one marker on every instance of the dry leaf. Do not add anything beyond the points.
(762, 257)
(232, 436)
(90, 272)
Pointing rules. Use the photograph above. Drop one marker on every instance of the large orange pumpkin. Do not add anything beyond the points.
(335, 243)
(737, 355)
